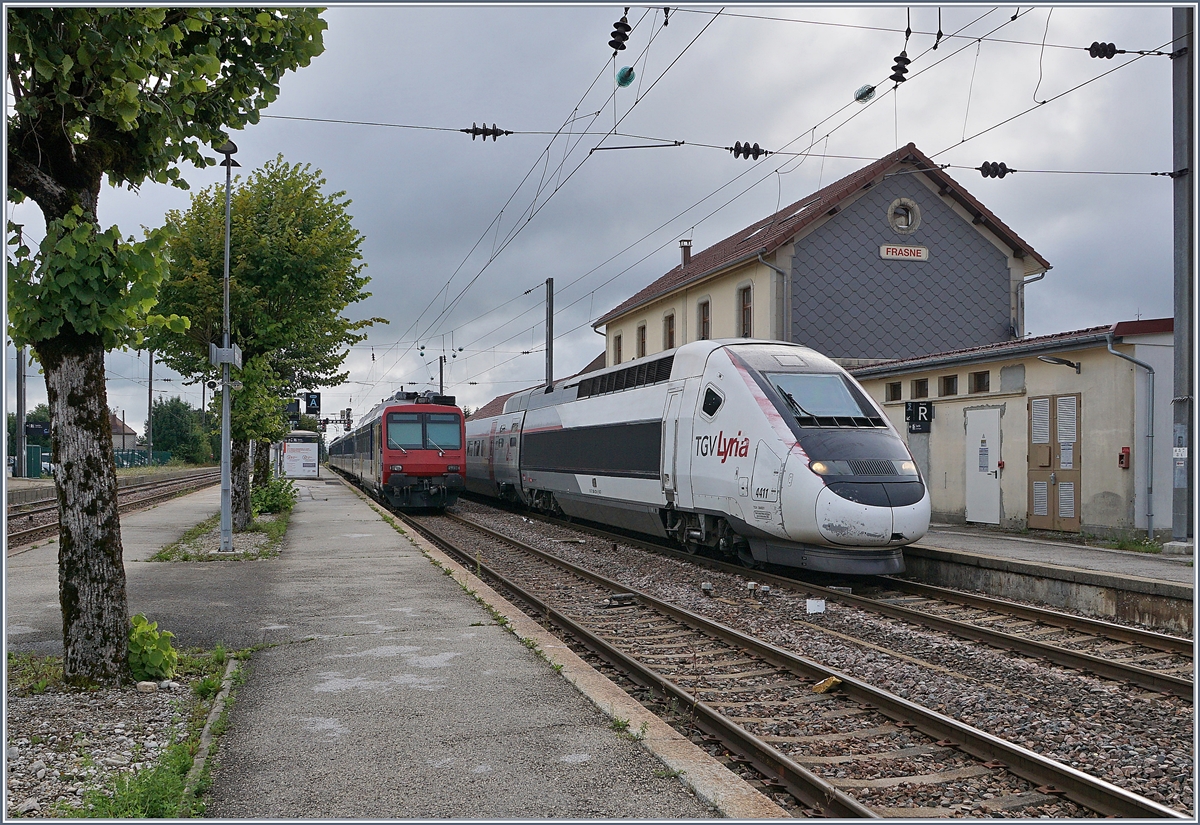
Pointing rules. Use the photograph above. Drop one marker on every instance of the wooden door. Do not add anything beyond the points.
(1054, 460)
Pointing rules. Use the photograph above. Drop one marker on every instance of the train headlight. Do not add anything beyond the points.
(906, 468)
(397, 468)
(831, 468)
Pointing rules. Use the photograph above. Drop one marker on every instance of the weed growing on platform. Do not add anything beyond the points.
(1141, 544)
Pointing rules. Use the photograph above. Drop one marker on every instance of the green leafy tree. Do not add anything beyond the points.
(295, 265)
(178, 429)
(127, 94)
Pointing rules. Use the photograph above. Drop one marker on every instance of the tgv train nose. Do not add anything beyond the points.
(842, 521)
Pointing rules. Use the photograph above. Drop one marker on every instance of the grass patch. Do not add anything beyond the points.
(29, 674)
(1136, 545)
(189, 548)
(156, 791)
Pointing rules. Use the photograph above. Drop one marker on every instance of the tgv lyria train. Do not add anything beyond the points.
(766, 451)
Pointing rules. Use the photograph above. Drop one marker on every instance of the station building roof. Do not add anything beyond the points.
(767, 235)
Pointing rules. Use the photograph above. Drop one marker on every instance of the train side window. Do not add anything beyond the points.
(712, 402)
(512, 442)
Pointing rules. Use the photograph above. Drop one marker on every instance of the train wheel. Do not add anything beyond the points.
(691, 548)
(746, 558)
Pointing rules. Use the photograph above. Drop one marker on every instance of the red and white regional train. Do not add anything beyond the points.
(408, 451)
(765, 451)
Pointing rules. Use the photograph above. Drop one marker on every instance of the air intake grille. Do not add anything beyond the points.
(872, 467)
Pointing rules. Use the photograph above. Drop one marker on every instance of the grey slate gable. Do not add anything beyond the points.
(848, 302)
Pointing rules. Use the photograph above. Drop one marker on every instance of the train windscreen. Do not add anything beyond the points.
(442, 431)
(424, 431)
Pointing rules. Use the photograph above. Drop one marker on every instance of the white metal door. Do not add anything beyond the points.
(670, 436)
(983, 476)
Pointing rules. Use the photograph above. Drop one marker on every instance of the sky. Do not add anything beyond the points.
(461, 234)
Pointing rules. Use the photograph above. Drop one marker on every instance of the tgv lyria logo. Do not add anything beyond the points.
(737, 446)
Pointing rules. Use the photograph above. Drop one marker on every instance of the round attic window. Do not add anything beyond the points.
(904, 216)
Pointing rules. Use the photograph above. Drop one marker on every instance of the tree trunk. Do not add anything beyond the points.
(91, 573)
(239, 480)
(262, 463)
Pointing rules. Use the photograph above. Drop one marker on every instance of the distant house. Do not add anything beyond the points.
(124, 437)
(893, 261)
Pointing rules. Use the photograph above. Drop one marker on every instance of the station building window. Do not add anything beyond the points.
(948, 385)
(745, 327)
(704, 320)
(616, 349)
(979, 381)
(891, 392)
(669, 331)
(640, 349)
(920, 388)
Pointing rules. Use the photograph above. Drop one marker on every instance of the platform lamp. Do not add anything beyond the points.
(1054, 359)
(227, 149)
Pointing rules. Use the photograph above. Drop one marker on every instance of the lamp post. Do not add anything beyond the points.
(228, 150)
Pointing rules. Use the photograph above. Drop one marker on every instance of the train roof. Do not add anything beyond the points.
(685, 360)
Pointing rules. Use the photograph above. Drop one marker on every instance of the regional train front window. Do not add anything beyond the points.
(823, 399)
(442, 431)
(404, 431)
(424, 431)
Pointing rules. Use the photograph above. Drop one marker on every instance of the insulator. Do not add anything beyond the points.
(666, 15)
(900, 69)
(485, 132)
(993, 169)
(864, 93)
(620, 34)
(625, 76)
(745, 150)
(1105, 50)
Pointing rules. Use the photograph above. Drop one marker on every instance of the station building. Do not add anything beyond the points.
(893, 261)
(1058, 432)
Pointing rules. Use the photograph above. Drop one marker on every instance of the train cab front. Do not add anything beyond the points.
(423, 458)
(854, 488)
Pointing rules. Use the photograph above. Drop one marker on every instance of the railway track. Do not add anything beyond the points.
(837, 744)
(36, 519)
(1155, 661)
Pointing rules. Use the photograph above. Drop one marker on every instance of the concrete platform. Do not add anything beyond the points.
(387, 689)
(1151, 589)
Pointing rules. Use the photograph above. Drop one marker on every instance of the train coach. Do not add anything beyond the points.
(408, 451)
(764, 451)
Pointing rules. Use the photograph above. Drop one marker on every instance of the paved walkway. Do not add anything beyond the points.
(386, 689)
(984, 542)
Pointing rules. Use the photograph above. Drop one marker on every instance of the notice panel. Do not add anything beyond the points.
(299, 460)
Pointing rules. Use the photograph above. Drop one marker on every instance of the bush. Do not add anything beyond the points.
(151, 656)
(277, 496)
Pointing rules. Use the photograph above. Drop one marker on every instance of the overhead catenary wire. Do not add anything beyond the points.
(979, 40)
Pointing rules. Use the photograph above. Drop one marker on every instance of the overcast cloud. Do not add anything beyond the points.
(429, 203)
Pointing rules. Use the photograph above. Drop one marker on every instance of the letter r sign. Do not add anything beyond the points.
(919, 415)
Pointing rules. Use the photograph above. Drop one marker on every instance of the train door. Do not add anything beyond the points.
(982, 466)
(764, 483)
(490, 447)
(670, 443)
(1054, 463)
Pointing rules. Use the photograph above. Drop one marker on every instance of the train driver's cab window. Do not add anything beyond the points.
(712, 402)
(404, 431)
(442, 431)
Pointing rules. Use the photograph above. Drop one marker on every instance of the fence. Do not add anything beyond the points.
(137, 458)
